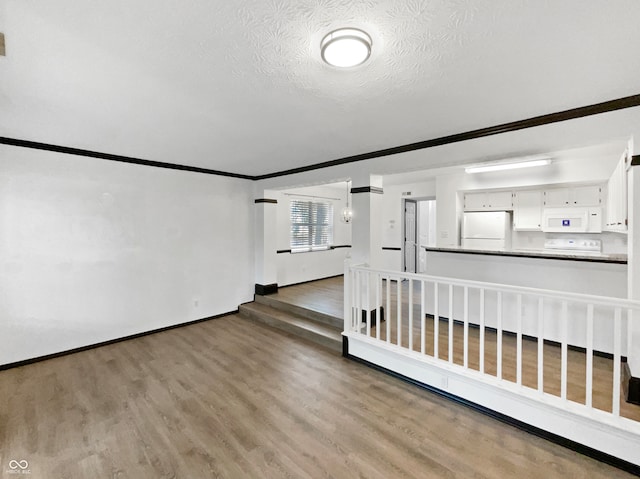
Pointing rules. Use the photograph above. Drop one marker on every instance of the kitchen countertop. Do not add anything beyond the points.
(546, 254)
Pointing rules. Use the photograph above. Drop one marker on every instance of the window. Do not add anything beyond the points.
(311, 225)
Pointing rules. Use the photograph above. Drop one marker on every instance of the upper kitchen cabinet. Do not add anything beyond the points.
(616, 217)
(488, 201)
(527, 210)
(573, 196)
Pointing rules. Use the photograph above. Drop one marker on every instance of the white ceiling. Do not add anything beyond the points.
(238, 85)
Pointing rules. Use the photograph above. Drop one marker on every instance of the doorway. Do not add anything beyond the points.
(419, 228)
(410, 236)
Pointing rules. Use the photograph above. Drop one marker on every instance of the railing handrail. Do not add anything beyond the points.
(559, 295)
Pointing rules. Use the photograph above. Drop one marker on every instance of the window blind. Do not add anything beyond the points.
(311, 225)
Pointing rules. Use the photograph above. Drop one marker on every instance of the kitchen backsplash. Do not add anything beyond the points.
(612, 243)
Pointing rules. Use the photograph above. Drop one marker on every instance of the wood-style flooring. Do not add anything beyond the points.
(230, 398)
(325, 295)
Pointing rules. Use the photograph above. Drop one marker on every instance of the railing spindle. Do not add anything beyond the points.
(482, 330)
(358, 302)
(378, 305)
(436, 321)
(451, 323)
(564, 355)
(346, 311)
(519, 339)
(629, 332)
(399, 308)
(423, 319)
(589, 373)
(410, 314)
(541, 345)
(499, 336)
(466, 328)
(388, 309)
(617, 345)
(368, 304)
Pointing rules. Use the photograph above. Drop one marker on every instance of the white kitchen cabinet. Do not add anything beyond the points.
(500, 200)
(527, 210)
(475, 201)
(590, 195)
(488, 201)
(586, 195)
(616, 217)
(556, 197)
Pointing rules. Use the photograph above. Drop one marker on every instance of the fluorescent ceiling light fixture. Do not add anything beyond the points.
(508, 165)
(346, 47)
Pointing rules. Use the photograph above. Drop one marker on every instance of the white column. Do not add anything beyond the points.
(634, 262)
(265, 233)
(366, 233)
(366, 229)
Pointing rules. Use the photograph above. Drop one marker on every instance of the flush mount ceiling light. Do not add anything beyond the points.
(346, 47)
(512, 165)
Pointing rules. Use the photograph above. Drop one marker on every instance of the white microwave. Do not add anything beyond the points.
(572, 220)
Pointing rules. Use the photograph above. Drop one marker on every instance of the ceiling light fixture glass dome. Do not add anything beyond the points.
(346, 47)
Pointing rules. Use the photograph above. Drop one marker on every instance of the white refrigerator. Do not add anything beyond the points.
(487, 230)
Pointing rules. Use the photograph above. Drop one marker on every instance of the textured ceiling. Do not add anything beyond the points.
(239, 86)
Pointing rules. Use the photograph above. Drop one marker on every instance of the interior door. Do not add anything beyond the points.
(410, 235)
(426, 231)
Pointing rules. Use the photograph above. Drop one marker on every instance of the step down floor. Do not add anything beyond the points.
(307, 326)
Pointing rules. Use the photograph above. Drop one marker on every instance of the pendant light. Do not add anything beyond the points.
(347, 212)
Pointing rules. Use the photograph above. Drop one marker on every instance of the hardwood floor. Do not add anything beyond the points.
(325, 296)
(234, 399)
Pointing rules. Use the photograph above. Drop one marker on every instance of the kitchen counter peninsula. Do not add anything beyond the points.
(593, 275)
(524, 253)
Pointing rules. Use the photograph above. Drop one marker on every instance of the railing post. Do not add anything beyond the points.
(347, 295)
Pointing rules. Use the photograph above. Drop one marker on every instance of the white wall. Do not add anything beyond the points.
(300, 267)
(93, 250)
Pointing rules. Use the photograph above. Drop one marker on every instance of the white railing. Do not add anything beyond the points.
(541, 343)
